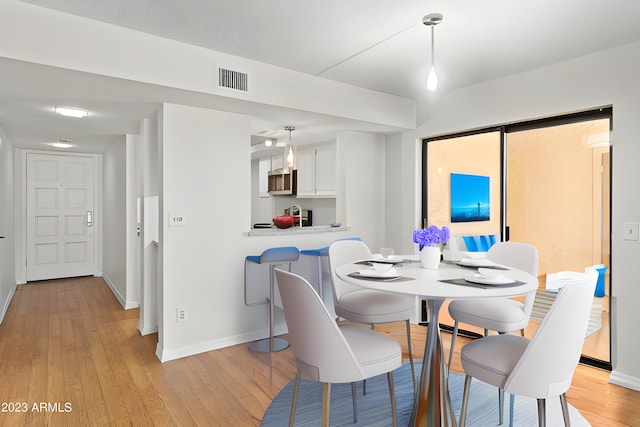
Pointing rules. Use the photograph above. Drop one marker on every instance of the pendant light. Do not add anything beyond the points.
(431, 20)
(290, 155)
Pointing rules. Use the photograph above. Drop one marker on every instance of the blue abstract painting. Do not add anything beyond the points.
(469, 198)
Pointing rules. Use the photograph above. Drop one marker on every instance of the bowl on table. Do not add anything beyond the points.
(381, 267)
(284, 221)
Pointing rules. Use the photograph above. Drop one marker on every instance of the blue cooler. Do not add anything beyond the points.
(600, 268)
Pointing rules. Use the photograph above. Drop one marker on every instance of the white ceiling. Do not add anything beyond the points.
(377, 44)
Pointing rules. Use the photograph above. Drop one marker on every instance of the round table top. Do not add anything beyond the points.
(429, 284)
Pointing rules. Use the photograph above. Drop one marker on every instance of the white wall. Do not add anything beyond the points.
(361, 185)
(206, 175)
(114, 223)
(605, 78)
(148, 187)
(7, 253)
(132, 215)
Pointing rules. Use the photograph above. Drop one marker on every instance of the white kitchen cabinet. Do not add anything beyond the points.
(317, 171)
(264, 166)
(277, 162)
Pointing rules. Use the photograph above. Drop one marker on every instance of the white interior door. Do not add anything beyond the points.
(60, 216)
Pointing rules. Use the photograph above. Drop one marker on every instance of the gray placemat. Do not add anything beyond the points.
(480, 285)
(471, 267)
(355, 275)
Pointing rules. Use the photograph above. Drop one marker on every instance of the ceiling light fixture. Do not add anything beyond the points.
(290, 155)
(268, 142)
(71, 112)
(62, 143)
(431, 20)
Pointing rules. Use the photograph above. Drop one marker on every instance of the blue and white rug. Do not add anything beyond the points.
(374, 408)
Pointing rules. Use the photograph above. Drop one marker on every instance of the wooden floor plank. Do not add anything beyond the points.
(70, 341)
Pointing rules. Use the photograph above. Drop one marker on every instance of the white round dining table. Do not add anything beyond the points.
(432, 403)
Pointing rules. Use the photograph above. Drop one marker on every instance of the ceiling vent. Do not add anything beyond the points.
(233, 79)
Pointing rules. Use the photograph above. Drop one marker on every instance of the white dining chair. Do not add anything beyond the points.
(330, 353)
(502, 315)
(539, 368)
(367, 306)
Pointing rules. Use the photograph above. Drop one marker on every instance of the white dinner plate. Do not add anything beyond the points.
(478, 262)
(371, 273)
(489, 280)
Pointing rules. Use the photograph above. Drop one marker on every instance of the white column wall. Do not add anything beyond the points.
(7, 226)
(361, 185)
(205, 157)
(114, 222)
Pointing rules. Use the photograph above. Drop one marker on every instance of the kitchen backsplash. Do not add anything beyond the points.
(324, 210)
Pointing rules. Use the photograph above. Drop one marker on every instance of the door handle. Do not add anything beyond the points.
(89, 218)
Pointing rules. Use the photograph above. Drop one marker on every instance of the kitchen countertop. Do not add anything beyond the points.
(275, 231)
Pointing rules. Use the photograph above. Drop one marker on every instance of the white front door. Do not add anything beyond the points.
(60, 216)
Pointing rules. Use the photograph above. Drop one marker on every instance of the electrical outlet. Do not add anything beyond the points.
(182, 314)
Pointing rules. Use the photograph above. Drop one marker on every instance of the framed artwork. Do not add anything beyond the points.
(469, 198)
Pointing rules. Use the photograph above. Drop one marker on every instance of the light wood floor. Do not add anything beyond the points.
(68, 344)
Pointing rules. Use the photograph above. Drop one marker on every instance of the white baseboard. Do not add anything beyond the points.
(167, 354)
(5, 306)
(625, 380)
(125, 304)
(152, 329)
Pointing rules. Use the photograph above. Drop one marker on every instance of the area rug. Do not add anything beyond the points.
(374, 408)
(544, 299)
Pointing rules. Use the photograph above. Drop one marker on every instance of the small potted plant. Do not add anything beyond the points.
(431, 241)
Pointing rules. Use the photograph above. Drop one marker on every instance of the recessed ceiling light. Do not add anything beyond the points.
(62, 143)
(268, 142)
(71, 112)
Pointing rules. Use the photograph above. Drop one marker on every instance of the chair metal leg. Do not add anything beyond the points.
(542, 413)
(465, 400)
(413, 372)
(522, 332)
(326, 403)
(512, 404)
(565, 410)
(500, 406)
(392, 395)
(364, 382)
(355, 402)
(294, 401)
(453, 342)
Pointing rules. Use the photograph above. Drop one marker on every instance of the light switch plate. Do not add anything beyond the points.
(631, 230)
(177, 219)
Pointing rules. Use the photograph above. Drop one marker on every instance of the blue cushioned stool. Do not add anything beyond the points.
(322, 255)
(271, 257)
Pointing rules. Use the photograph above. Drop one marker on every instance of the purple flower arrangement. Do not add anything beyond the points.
(432, 236)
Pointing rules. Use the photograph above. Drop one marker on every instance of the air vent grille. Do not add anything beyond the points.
(233, 79)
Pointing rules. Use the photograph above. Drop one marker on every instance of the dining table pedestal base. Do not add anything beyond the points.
(432, 403)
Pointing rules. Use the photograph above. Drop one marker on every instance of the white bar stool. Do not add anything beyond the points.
(271, 257)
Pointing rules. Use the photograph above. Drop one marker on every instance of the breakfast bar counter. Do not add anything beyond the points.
(274, 231)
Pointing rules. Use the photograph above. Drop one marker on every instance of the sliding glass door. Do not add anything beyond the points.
(549, 186)
(557, 198)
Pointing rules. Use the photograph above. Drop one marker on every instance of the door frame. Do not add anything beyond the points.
(20, 166)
